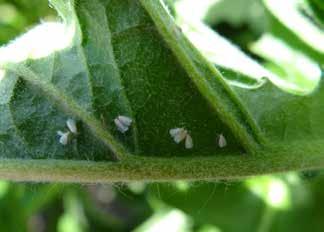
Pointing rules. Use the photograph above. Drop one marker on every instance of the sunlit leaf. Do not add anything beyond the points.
(292, 25)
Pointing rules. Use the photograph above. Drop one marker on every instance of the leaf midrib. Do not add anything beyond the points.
(225, 167)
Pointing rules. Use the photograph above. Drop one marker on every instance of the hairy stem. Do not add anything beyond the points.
(136, 168)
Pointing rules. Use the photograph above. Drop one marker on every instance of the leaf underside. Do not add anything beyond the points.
(116, 65)
(129, 58)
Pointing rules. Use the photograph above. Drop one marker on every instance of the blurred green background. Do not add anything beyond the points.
(290, 202)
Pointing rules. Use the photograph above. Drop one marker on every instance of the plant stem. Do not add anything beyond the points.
(138, 168)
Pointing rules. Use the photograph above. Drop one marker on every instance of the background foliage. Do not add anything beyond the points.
(290, 202)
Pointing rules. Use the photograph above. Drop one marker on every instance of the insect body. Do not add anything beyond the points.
(65, 137)
(71, 124)
(221, 141)
(180, 134)
(123, 123)
(188, 142)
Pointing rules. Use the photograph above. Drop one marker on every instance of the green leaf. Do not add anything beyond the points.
(162, 219)
(288, 22)
(317, 7)
(112, 58)
(108, 65)
(212, 203)
(241, 70)
(236, 13)
(73, 218)
(288, 118)
(293, 67)
(274, 203)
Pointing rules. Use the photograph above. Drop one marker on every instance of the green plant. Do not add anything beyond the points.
(111, 58)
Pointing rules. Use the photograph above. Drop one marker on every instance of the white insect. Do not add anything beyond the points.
(71, 124)
(64, 137)
(188, 142)
(221, 141)
(180, 134)
(123, 123)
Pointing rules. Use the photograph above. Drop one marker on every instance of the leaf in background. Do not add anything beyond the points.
(243, 71)
(236, 13)
(317, 7)
(290, 64)
(17, 15)
(212, 203)
(267, 203)
(166, 218)
(289, 23)
(238, 68)
(73, 219)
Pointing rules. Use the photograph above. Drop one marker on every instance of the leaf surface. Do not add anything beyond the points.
(129, 58)
(288, 22)
(108, 59)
